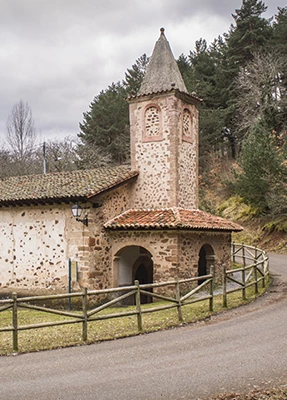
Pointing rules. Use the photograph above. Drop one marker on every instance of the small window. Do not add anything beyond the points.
(187, 125)
(152, 124)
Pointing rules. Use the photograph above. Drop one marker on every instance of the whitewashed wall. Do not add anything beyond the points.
(34, 247)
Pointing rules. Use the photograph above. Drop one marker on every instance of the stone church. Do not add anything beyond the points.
(138, 222)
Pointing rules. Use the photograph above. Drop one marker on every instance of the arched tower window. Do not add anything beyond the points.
(187, 125)
(152, 124)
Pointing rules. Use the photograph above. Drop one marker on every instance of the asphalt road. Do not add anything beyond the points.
(234, 351)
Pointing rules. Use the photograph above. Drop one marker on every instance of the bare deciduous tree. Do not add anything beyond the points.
(60, 155)
(21, 132)
(5, 163)
(261, 93)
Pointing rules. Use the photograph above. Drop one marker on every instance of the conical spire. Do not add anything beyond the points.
(162, 71)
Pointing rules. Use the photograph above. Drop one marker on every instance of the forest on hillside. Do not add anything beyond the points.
(241, 77)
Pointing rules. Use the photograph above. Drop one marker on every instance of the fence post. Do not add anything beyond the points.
(15, 323)
(243, 254)
(69, 282)
(243, 283)
(85, 315)
(211, 289)
(138, 306)
(224, 289)
(263, 268)
(255, 270)
(177, 294)
(233, 252)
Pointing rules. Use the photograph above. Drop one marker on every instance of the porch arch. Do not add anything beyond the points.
(133, 263)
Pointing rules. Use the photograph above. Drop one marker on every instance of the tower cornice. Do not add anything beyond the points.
(187, 97)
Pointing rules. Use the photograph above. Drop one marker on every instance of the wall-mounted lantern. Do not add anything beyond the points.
(77, 212)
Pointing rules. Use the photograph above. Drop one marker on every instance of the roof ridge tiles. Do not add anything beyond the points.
(177, 216)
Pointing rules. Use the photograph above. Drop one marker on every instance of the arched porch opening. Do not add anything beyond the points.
(205, 260)
(133, 263)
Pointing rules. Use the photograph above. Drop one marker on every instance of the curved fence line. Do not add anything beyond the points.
(253, 270)
(250, 266)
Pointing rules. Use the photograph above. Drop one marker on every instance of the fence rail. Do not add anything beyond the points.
(180, 293)
(248, 274)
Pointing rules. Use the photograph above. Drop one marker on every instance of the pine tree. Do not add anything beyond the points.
(104, 136)
(135, 74)
(207, 79)
(105, 128)
(203, 71)
(280, 31)
(250, 33)
(279, 40)
(186, 72)
(263, 171)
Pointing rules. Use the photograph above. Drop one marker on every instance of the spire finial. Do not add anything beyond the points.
(162, 72)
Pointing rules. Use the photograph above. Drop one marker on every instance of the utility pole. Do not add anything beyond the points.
(44, 158)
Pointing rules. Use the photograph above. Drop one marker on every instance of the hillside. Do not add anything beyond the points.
(217, 197)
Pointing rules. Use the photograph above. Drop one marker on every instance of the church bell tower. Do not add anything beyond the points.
(164, 136)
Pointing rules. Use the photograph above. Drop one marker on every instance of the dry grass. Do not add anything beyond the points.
(71, 335)
(278, 393)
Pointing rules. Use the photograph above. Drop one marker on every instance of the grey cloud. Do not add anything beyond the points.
(59, 54)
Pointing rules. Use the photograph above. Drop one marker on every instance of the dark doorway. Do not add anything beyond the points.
(202, 265)
(205, 260)
(143, 272)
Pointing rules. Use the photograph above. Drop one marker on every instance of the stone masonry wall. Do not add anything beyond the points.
(189, 245)
(175, 254)
(187, 177)
(95, 254)
(152, 158)
(161, 244)
(36, 243)
(166, 155)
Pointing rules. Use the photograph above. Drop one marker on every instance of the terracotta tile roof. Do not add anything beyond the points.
(63, 185)
(171, 218)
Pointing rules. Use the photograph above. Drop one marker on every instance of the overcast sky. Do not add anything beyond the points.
(57, 55)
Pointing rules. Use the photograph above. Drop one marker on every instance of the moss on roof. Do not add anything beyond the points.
(63, 185)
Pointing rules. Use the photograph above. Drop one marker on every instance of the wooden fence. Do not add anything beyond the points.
(183, 293)
(119, 294)
(253, 269)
